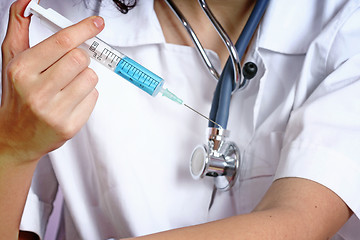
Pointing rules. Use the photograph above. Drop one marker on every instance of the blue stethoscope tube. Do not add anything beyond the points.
(219, 111)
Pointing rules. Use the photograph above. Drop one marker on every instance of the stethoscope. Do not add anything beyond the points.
(220, 158)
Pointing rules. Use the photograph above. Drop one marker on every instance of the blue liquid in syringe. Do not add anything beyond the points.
(139, 76)
(128, 68)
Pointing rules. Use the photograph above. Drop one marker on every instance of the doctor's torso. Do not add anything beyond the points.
(126, 173)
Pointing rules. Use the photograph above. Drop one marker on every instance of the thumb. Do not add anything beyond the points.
(17, 35)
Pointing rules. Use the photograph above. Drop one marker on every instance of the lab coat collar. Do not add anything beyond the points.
(286, 23)
(142, 26)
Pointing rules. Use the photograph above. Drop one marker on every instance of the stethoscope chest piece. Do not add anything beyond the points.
(219, 159)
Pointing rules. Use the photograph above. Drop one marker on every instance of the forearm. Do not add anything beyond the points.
(293, 208)
(15, 180)
(269, 224)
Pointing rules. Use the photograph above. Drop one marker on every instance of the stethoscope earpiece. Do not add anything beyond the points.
(249, 70)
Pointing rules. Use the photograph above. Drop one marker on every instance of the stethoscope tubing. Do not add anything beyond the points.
(219, 111)
(194, 38)
(227, 41)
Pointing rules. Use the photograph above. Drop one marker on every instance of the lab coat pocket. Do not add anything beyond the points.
(259, 163)
(262, 155)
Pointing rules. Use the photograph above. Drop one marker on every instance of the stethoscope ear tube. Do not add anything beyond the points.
(221, 102)
(194, 38)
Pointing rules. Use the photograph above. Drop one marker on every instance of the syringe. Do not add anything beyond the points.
(114, 60)
(106, 55)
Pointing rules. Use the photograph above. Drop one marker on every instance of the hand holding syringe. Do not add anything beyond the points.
(109, 57)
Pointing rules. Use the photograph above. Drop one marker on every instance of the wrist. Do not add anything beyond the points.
(14, 148)
(12, 156)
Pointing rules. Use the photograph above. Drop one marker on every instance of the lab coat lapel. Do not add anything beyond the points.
(143, 29)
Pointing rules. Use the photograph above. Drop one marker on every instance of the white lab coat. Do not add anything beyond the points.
(126, 172)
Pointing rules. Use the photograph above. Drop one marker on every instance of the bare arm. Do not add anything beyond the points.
(42, 105)
(14, 184)
(293, 208)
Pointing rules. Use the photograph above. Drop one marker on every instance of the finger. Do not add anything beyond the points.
(80, 115)
(74, 93)
(65, 70)
(46, 53)
(15, 41)
(84, 109)
(17, 35)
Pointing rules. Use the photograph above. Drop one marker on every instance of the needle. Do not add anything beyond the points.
(202, 115)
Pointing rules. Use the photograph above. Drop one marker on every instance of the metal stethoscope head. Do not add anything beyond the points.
(220, 158)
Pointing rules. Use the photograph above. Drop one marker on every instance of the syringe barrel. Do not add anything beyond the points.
(124, 66)
(102, 53)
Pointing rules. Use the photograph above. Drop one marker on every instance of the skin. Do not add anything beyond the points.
(293, 208)
(43, 106)
(232, 15)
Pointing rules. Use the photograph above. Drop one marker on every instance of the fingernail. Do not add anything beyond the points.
(98, 22)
